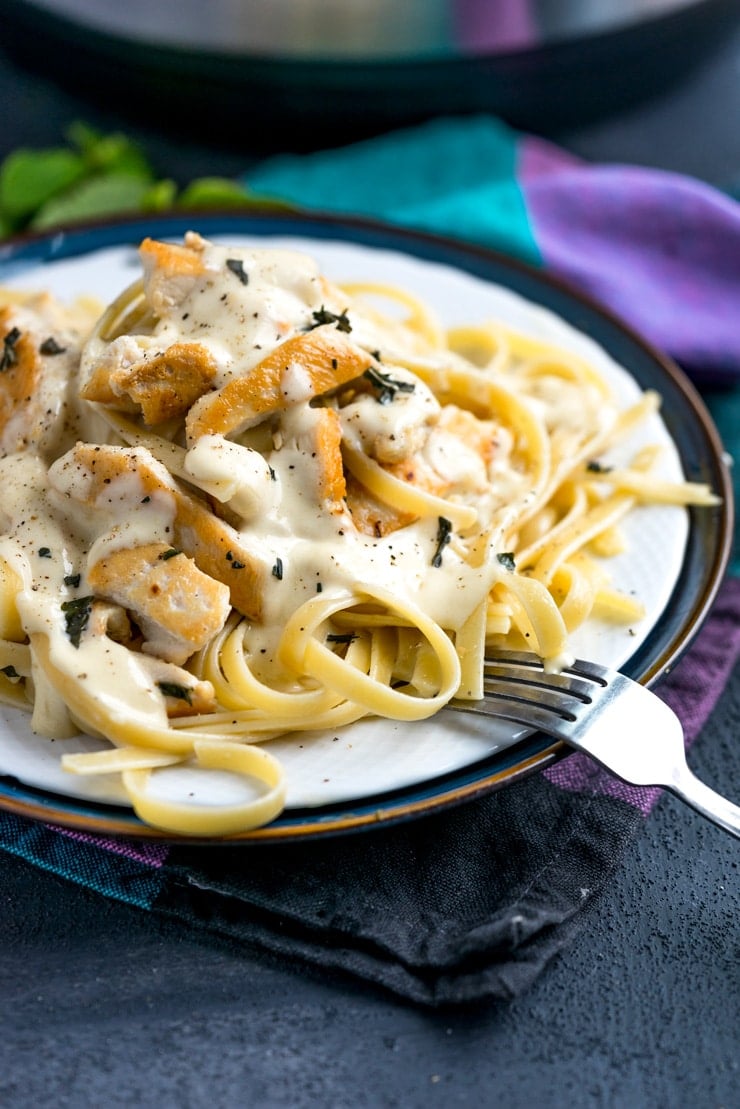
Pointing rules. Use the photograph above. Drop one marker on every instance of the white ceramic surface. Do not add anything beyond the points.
(375, 756)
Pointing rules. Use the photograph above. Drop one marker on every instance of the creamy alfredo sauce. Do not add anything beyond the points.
(241, 316)
(47, 549)
(244, 305)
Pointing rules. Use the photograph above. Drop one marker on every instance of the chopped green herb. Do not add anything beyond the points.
(341, 637)
(444, 534)
(236, 564)
(325, 316)
(51, 346)
(507, 560)
(76, 615)
(179, 692)
(386, 386)
(237, 267)
(44, 552)
(72, 580)
(171, 553)
(9, 357)
(595, 467)
(277, 570)
(9, 672)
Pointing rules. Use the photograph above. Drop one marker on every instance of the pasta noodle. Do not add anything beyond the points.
(243, 502)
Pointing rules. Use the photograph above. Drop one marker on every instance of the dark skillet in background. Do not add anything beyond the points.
(294, 75)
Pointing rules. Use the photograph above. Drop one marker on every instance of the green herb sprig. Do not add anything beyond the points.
(76, 617)
(386, 386)
(96, 175)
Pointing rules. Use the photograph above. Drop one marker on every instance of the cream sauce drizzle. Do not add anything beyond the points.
(276, 496)
(240, 321)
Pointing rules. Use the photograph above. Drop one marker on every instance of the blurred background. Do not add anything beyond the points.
(245, 78)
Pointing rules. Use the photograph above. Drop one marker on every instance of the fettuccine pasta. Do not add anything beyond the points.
(244, 502)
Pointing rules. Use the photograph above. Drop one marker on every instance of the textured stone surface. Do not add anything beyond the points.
(103, 1004)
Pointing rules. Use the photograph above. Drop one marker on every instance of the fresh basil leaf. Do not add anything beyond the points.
(219, 192)
(102, 175)
(99, 196)
(31, 178)
(159, 196)
(113, 153)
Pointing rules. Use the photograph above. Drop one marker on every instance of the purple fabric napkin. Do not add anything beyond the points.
(660, 249)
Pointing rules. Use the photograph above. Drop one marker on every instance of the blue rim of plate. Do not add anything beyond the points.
(684, 413)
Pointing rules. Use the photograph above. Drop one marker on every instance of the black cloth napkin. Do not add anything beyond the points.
(466, 904)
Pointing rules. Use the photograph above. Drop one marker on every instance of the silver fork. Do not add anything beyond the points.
(618, 722)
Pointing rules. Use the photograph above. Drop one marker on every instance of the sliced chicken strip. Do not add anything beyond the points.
(39, 355)
(313, 436)
(304, 366)
(160, 386)
(184, 694)
(102, 477)
(171, 270)
(178, 608)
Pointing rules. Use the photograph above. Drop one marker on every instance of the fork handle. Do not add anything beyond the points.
(706, 801)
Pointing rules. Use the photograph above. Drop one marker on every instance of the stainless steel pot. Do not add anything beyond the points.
(339, 29)
(295, 74)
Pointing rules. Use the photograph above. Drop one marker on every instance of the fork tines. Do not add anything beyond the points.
(521, 678)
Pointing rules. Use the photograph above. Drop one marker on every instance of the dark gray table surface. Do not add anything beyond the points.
(105, 1005)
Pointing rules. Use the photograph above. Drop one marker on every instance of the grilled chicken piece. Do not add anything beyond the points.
(327, 457)
(454, 459)
(177, 607)
(184, 694)
(171, 270)
(370, 515)
(314, 437)
(299, 369)
(116, 482)
(39, 356)
(160, 385)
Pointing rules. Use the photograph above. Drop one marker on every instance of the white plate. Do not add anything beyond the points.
(372, 757)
